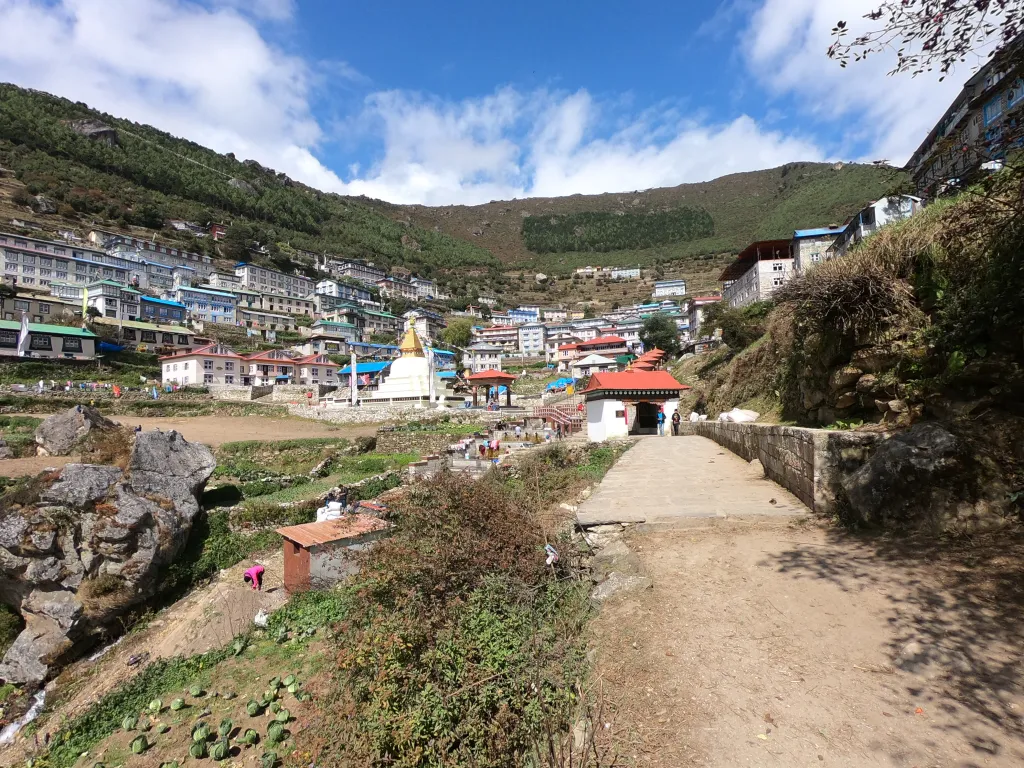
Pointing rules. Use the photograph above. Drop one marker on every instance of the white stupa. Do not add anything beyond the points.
(409, 376)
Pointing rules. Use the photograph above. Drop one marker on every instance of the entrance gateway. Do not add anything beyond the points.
(627, 403)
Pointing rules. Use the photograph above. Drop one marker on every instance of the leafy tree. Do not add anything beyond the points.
(459, 332)
(92, 313)
(382, 338)
(930, 34)
(741, 326)
(237, 241)
(659, 330)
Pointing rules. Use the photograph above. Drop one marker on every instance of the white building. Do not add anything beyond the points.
(554, 315)
(483, 357)
(872, 218)
(531, 339)
(504, 336)
(758, 271)
(669, 288)
(317, 369)
(364, 272)
(628, 402)
(591, 364)
(428, 325)
(698, 307)
(271, 281)
(222, 281)
(213, 364)
(625, 273)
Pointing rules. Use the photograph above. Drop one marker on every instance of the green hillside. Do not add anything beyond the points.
(147, 176)
(614, 231)
(742, 207)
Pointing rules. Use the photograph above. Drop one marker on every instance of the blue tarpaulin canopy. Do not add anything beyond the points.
(560, 383)
(365, 368)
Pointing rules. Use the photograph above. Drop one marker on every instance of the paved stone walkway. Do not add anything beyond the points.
(669, 479)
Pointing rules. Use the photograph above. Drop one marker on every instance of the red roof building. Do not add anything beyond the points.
(319, 555)
(629, 403)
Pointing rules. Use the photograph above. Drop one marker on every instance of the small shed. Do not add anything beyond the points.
(318, 555)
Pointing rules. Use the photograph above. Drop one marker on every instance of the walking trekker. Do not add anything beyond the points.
(676, 419)
(661, 422)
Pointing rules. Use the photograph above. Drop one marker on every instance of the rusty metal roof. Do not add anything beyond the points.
(350, 526)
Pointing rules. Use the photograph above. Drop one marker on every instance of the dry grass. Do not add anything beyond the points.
(872, 288)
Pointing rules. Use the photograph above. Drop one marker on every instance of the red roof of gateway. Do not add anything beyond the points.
(654, 380)
(602, 340)
(489, 375)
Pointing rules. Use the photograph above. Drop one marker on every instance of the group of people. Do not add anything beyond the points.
(676, 420)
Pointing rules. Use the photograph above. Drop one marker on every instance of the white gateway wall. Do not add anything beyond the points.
(604, 421)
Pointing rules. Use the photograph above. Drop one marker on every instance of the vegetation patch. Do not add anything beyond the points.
(595, 231)
(19, 434)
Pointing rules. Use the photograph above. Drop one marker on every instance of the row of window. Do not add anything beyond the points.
(40, 342)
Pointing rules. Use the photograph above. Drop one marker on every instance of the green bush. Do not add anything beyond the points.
(741, 326)
(10, 627)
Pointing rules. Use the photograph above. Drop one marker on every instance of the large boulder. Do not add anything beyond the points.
(927, 477)
(61, 433)
(92, 544)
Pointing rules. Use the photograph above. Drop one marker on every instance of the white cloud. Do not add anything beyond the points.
(205, 73)
(542, 144)
(879, 116)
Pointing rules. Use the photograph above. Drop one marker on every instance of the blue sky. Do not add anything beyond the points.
(463, 102)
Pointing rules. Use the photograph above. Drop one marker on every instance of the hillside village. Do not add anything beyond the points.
(724, 474)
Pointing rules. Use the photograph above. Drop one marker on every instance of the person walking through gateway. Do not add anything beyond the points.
(676, 419)
(661, 422)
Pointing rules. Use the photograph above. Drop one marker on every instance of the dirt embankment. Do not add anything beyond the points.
(782, 644)
(207, 618)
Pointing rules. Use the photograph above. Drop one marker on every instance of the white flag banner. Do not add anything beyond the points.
(23, 337)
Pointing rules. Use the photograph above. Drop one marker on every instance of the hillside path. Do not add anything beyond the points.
(673, 479)
(775, 639)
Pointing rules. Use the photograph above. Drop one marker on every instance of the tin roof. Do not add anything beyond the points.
(350, 526)
(634, 380)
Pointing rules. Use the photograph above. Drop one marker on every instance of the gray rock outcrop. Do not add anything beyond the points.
(96, 130)
(61, 433)
(5, 449)
(92, 544)
(926, 476)
(242, 185)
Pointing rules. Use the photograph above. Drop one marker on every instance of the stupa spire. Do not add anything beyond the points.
(411, 346)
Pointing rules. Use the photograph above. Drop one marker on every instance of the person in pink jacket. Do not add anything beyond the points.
(254, 577)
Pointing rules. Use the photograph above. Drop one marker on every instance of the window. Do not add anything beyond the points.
(315, 371)
(167, 338)
(207, 365)
(229, 366)
(777, 281)
(44, 309)
(207, 378)
(36, 341)
(229, 379)
(149, 336)
(175, 366)
(71, 344)
(9, 339)
(182, 339)
(129, 334)
(111, 313)
(993, 110)
(21, 305)
(778, 266)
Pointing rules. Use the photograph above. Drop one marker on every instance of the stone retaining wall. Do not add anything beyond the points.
(390, 414)
(236, 393)
(423, 443)
(810, 463)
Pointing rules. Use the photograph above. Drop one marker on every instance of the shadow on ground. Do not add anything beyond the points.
(957, 620)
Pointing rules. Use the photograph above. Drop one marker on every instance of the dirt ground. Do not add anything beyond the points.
(207, 618)
(212, 430)
(780, 643)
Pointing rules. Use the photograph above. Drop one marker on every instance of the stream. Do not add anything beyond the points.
(10, 731)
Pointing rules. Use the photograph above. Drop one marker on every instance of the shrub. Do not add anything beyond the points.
(11, 625)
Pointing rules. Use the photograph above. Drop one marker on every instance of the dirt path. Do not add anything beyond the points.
(212, 430)
(787, 643)
(207, 618)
